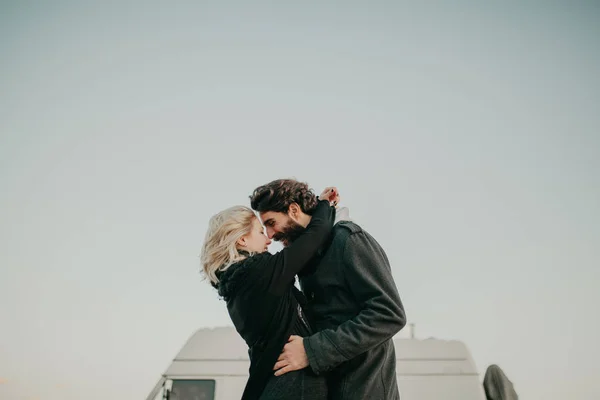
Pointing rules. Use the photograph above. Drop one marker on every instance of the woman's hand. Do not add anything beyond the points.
(331, 194)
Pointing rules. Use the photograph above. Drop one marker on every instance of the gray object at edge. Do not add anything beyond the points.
(497, 386)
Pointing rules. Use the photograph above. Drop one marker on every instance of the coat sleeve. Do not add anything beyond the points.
(369, 277)
(283, 266)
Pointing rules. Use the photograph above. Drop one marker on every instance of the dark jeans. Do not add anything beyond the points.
(296, 385)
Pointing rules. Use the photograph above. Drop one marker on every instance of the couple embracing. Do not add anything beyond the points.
(333, 338)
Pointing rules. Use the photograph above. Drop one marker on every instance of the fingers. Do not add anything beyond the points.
(280, 364)
(335, 200)
(326, 193)
(284, 370)
(289, 359)
(330, 193)
(334, 193)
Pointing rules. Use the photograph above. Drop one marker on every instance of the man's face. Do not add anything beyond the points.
(281, 227)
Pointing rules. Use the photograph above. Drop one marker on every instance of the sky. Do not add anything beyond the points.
(464, 136)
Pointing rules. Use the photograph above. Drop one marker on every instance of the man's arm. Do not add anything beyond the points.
(369, 277)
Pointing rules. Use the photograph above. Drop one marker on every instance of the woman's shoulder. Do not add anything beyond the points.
(243, 273)
(253, 262)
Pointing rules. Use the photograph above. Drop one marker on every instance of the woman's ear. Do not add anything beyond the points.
(241, 241)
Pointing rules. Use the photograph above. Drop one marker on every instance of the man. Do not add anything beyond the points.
(352, 299)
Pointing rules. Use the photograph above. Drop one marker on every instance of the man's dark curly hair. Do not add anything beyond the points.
(279, 194)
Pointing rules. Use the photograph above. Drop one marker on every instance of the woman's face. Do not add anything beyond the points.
(255, 241)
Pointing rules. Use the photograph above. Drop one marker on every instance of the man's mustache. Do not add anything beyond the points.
(288, 234)
(284, 237)
(279, 236)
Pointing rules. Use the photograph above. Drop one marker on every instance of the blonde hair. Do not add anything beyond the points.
(220, 250)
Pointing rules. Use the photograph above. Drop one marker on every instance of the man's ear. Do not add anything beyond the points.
(294, 211)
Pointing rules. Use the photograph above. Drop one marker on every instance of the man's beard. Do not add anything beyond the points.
(289, 233)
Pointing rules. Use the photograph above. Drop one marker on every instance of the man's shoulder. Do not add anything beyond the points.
(346, 228)
(340, 234)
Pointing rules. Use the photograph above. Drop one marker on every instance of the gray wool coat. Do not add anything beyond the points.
(356, 310)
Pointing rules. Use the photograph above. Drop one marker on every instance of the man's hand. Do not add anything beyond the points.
(292, 358)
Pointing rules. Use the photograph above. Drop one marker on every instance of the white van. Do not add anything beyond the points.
(213, 365)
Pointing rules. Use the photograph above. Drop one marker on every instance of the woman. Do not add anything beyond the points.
(262, 301)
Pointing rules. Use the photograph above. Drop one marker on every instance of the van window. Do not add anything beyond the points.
(196, 389)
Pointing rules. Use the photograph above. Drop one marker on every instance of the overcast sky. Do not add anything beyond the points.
(463, 136)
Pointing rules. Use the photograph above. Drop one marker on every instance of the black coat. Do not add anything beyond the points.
(356, 310)
(262, 300)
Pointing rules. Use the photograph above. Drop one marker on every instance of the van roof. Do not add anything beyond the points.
(224, 344)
